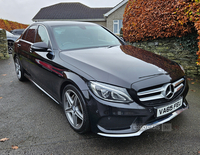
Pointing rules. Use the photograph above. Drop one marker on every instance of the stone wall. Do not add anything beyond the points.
(175, 49)
(3, 45)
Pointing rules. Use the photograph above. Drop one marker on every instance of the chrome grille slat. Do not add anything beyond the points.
(152, 98)
(150, 91)
(179, 87)
(159, 93)
(178, 82)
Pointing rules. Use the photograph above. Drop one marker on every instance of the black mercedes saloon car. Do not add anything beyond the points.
(103, 85)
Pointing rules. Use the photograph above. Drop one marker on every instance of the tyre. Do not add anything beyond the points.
(75, 109)
(10, 46)
(19, 70)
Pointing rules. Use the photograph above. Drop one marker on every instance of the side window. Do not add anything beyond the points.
(31, 34)
(42, 35)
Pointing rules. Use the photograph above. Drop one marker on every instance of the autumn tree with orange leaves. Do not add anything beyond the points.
(10, 25)
(145, 20)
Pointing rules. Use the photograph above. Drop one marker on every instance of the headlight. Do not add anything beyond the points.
(110, 93)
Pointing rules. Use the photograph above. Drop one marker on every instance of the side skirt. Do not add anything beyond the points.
(41, 89)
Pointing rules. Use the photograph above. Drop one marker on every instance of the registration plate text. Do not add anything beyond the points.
(169, 108)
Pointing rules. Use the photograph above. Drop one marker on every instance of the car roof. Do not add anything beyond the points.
(56, 23)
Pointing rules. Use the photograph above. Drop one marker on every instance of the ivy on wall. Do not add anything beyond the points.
(189, 43)
(147, 20)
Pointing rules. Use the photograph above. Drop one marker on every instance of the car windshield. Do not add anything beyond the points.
(71, 37)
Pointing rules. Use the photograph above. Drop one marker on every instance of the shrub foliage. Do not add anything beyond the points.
(151, 19)
(10, 25)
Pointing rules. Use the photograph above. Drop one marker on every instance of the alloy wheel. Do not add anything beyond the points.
(18, 68)
(10, 47)
(73, 109)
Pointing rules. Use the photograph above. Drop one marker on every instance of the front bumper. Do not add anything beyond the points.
(125, 120)
(145, 127)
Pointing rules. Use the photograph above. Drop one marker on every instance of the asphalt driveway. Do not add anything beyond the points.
(35, 124)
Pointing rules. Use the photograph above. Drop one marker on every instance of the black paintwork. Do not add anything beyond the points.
(125, 66)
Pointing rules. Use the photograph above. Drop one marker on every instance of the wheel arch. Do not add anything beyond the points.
(75, 80)
(14, 56)
(10, 40)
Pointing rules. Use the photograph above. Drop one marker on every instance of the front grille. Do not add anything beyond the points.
(166, 91)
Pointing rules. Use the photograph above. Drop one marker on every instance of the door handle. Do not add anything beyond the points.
(18, 45)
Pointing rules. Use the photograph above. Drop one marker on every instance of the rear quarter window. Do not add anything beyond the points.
(29, 34)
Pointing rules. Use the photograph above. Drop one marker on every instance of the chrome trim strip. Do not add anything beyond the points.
(147, 126)
(26, 41)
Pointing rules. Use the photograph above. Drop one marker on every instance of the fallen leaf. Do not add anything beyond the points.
(199, 152)
(192, 83)
(4, 74)
(189, 79)
(193, 90)
(14, 147)
(4, 139)
(1, 97)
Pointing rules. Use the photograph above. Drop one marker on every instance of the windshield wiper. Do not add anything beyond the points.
(110, 46)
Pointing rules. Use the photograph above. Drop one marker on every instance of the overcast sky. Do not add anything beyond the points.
(24, 10)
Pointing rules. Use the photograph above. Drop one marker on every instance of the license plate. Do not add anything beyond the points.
(169, 108)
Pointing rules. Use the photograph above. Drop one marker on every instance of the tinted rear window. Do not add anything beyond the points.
(30, 36)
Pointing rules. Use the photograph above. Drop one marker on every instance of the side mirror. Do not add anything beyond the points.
(39, 46)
